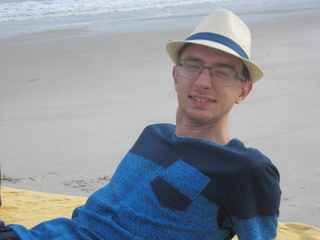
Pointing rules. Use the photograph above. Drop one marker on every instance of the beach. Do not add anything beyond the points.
(73, 102)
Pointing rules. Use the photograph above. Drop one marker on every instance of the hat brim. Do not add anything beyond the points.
(174, 47)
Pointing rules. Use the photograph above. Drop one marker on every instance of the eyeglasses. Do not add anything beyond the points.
(220, 75)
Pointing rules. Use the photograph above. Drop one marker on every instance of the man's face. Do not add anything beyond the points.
(201, 101)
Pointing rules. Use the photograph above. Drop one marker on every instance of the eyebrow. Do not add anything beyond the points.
(226, 65)
(201, 61)
(193, 59)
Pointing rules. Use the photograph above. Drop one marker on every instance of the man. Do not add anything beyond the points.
(192, 180)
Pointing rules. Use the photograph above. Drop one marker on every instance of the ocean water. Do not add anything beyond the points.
(28, 16)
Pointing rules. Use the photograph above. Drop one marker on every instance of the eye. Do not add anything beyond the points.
(192, 66)
(222, 72)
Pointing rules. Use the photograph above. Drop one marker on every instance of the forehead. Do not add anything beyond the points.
(210, 56)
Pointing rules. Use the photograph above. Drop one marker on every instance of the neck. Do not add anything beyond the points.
(217, 131)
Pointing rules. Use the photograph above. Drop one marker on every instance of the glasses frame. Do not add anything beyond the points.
(237, 74)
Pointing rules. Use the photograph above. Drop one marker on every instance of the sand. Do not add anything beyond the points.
(72, 103)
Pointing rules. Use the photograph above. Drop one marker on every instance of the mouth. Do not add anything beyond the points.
(202, 100)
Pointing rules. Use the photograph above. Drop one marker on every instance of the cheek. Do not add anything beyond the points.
(236, 93)
(181, 85)
(176, 86)
(175, 77)
(180, 89)
(230, 98)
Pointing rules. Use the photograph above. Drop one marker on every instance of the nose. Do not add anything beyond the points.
(204, 80)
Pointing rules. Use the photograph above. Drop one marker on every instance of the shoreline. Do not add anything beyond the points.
(178, 21)
(72, 103)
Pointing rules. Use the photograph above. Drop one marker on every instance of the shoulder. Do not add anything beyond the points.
(160, 128)
(153, 137)
(248, 158)
(257, 168)
(258, 188)
(254, 183)
(156, 132)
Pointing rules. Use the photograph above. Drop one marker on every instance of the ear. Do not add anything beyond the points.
(244, 91)
(175, 77)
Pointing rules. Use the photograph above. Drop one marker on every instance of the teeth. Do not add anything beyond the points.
(201, 100)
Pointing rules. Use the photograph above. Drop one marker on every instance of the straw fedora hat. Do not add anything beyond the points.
(224, 31)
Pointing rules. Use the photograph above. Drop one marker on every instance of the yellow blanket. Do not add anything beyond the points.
(30, 208)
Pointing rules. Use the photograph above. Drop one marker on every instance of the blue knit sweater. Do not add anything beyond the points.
(172, 188)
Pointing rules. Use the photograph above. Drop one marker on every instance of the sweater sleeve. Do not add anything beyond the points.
(253, 208)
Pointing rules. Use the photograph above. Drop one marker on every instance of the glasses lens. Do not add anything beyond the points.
(190, 69)
(223, 76)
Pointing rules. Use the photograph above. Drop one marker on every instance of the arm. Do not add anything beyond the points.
(7, 233)
(255, 204)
